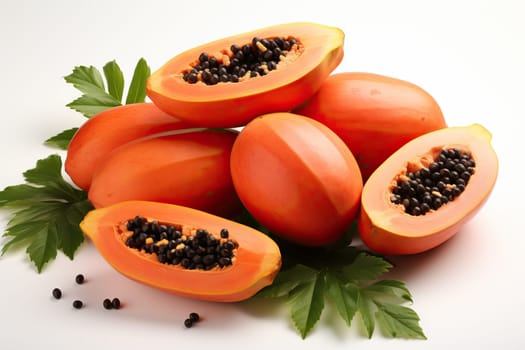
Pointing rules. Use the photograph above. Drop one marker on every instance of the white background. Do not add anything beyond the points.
(470, 55)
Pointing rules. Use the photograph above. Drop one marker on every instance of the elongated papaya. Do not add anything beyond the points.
(228, 82)
(184, 251)
(190, 168)
(373, 114)
(109, 129)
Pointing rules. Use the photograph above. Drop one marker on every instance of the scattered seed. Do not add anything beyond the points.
(79, 278)
(77, 304)
(108, 305)
(188, 323)
(115, 303)
(194, 317)
(57, 293)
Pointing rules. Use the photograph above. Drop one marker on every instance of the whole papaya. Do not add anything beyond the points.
(110, 129)
(189, 168)
(374, 114)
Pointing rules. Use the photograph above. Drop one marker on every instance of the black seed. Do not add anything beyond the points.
(194, 317)
(77, 304)
(188, 323)
(107, 304)
(115, 303)
(57, 293)
(79, 278)
(224, 233)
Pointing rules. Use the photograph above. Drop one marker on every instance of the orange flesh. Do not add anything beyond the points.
(387, 229)
(258, 257)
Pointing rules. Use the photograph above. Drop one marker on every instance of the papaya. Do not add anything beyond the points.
(425, 192)
(297, 178)
(109, 129)
(230, 81)
(188, 167)
(186, 234)
(373, 114)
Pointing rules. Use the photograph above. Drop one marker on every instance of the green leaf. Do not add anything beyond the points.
(62, 139)
(366, 267)
(137, 88)
(399, 321)
(344, 295)
(86, 79)
(366, 308)
(306, 304)
(91, 105)
(287, 280)
(45, 213)
(115, 79)
(390, 289)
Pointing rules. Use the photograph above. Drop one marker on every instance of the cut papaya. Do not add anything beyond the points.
(373, 114)
(425, 192)
(255, 260)
(109, 129)
(228, 82)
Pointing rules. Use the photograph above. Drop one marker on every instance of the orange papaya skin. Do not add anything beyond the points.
(190, 168)
(258, 258)
(110, 129)
(387, 229)
(297, 178)
(373, 114)
(235, 104)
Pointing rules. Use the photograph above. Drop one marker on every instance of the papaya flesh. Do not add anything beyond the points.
(387, 228)
(188, 167)
(297, 178)
(373, 114)
(318, 51)
(109, 129)
(257, 257)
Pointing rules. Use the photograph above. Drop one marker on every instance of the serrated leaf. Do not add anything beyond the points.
(115, 79)
(390, 289)
(86, 79)
(366, 267)
(43, 246)
(287, 280)
(24, 195)
(62, 139)
(306, 304)
(91, 105)
(399, 321)
(366, 308)
(344, 295)
(137, 87)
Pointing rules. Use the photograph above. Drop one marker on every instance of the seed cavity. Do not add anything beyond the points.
(173, 245)
(240, 62)
(430, 187)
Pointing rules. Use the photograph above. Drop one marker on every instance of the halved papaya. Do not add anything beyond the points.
(427, 190)
(187, 167)
(280, 82)
(109, 129)
(373, 114)
(255, 262)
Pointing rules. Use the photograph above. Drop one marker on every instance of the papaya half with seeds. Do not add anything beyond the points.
(373, 114)
(427, 190)
(272, 69)
(297, 178)
(110, 129)
(256, 258)
(187, 167)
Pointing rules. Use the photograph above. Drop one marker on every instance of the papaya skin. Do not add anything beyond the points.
(235, 104)
(387, 229)
(373, 114)
(188, 167)
(109, 129)
(297, 178)
(258, 258)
